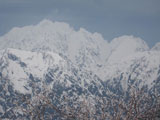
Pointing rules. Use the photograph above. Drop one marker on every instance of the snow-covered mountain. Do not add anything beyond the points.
(85, 49)
(74, 62)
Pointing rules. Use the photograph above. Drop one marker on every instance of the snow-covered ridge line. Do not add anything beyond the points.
(141, 67)
(59, 37)
(63, 28)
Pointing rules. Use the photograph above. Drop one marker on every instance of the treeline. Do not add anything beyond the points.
(45, 105)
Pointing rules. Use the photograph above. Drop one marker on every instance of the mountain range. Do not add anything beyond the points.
(74, 62)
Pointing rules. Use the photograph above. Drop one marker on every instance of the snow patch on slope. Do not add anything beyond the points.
(20, 64)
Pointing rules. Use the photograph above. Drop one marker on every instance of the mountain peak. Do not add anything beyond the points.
(126, 45)
(156, 47)
(54, 26)
(45, 22)
(130, 41)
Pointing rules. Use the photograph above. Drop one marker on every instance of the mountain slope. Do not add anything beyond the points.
(23, 67)
(139, 70)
